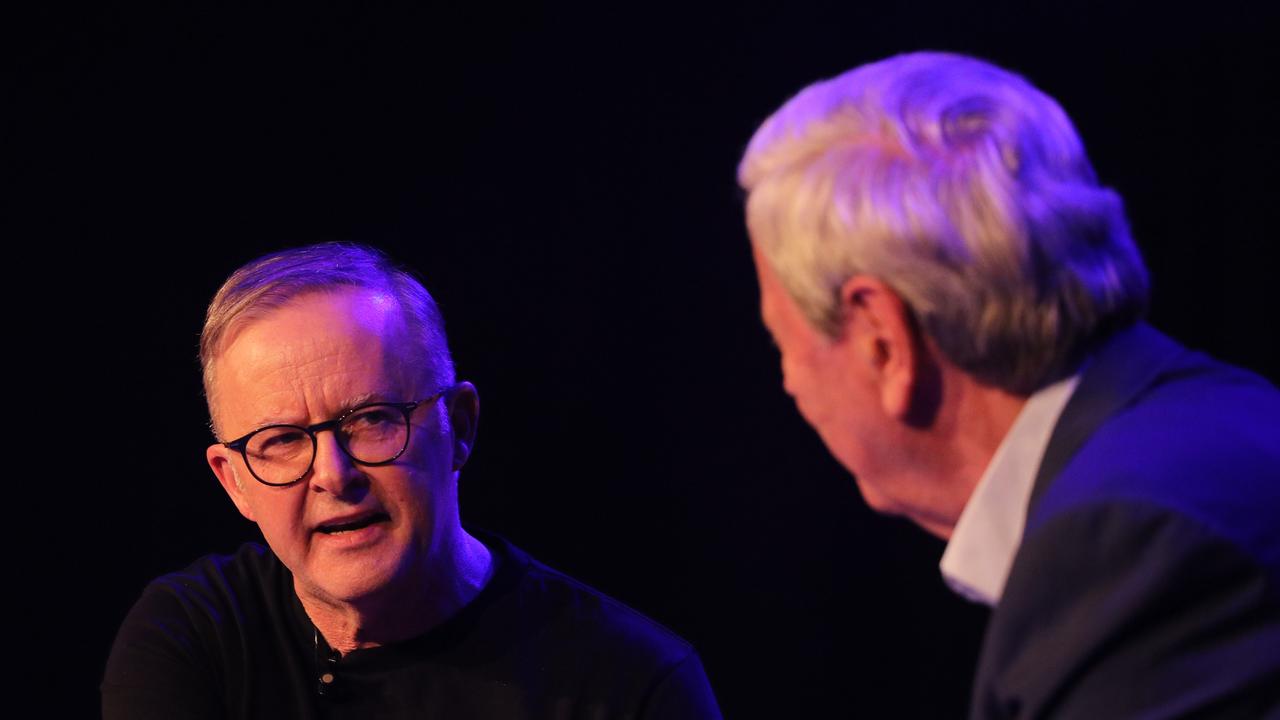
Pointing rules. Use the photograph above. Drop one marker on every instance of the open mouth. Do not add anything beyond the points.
(357, 524)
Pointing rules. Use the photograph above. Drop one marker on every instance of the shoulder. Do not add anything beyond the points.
(1127, 607)
(1156, 539)
(586, 617)
(180, 639)
(216, 595)
(222, 578)
(1199, 442)
(562, 641)
(208, 597)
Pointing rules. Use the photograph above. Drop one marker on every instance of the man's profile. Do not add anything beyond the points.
(957, 302)
(340, 430)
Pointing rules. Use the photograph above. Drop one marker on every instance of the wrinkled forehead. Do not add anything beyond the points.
(352, 331)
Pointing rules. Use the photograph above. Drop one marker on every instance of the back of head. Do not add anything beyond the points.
(965, 189)
(269, 282)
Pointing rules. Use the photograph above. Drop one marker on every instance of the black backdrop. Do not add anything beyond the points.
(564, 181)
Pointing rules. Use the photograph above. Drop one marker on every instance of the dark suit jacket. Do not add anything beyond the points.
(1148, 579)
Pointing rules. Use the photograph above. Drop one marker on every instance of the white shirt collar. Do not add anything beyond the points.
(978, 557)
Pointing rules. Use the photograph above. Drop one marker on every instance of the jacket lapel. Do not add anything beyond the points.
(1114, 375)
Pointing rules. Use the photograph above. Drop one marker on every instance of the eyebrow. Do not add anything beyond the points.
(361, 399)
(344, 408)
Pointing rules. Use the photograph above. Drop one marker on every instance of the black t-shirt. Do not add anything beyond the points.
(228, 638)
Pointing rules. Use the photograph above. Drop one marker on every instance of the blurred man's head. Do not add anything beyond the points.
(933, 246)
(963, 188)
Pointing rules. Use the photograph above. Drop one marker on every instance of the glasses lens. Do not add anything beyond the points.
(375, 433)
(279, 454)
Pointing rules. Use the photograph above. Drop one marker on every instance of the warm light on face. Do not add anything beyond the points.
(835, 390)
(345, 530)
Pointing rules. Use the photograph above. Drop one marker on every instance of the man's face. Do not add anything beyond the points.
(833, 385)
(309, 361)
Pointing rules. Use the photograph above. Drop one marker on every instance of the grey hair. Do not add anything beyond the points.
(967, 191)
(270, 281)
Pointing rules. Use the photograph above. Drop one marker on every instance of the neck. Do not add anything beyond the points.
(405, 610)
(971, 423)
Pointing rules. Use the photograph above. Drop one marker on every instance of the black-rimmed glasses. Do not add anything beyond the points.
(371, 434)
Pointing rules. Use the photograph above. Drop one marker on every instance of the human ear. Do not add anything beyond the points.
(879, 325)
(219, 458)
(464, 416)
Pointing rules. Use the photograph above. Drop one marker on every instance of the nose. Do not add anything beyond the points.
(333, 471)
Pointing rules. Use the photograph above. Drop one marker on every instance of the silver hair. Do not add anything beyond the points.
(270, 281)
(967, 191)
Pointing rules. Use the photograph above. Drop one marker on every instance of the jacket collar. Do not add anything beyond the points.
(1116, 373)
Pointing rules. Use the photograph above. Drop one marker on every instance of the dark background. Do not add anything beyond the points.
(564, 181)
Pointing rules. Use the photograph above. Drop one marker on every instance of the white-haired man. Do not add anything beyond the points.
(957, 303)
(341, 430)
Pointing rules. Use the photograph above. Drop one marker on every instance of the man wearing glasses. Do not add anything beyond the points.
(340, 431)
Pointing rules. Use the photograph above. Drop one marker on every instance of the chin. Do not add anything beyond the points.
(353, 582)
(876, 500)
(349, 592)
